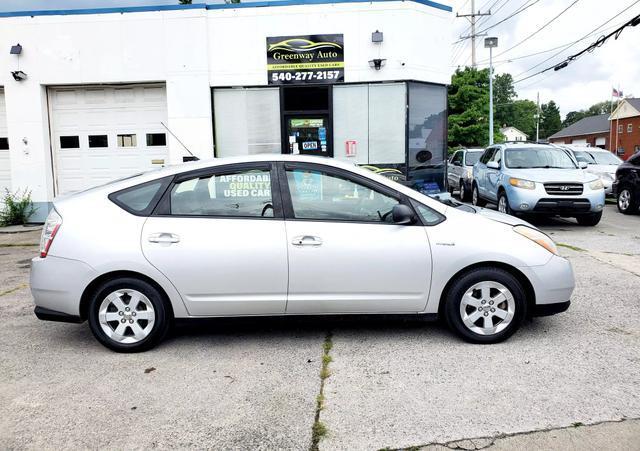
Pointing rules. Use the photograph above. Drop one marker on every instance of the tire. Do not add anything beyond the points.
(589, 220)
(503, 204)
(467, 290)
(123, 328)
(627, 201)
(464, 194)
(475, 197)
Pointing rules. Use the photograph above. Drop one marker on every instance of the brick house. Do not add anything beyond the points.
(625, 128)
(592, 130)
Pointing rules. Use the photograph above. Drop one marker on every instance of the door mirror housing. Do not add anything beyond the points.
(493, 165)
(583, 164)
(402, 215)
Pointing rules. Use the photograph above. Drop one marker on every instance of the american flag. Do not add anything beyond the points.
(616, 93)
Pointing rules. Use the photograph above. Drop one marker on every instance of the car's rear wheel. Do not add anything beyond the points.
(128, 315)
(463, 192)
(503, 204)
(475, 197)
(590, 219)
(627, 202)
(485, 305)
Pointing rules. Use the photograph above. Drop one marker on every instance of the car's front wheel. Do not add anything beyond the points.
(485, 305)
(503, 204)
(475, 197)
(128, 315)
(590, 219)
(627, 202)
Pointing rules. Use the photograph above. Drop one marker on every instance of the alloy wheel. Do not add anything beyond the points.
(624, 199)
(502, 204)
(474, 196)
(462, 193)
(487, 308)
(126, 316)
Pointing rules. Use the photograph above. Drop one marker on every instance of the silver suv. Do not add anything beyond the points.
(537, 178)
(460, 171)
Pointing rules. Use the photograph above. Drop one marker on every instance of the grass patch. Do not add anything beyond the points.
(12, 290)
(319, 429)
(569, 246)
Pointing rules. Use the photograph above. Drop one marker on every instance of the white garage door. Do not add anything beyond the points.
(578, 141)
(5, 169)
(104, 133)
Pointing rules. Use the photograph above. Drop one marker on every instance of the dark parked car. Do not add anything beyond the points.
(627, 185)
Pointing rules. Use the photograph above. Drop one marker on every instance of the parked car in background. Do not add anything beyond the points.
(539, 179)
(599, 162)
(626, 187)
(460, 171)
(284, 235)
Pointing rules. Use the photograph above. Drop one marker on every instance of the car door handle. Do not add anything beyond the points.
(165, 238)
(307, 240)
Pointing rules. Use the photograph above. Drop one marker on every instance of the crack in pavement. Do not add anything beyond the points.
(12, 290)
(478, 443)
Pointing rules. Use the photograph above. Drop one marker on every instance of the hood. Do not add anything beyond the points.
(544, 175)
(493, 215)
(602, 168)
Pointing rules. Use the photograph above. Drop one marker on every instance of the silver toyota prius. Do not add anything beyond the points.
(285, 235)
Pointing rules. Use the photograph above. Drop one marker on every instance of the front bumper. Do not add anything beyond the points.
(538, 201)
(553, 283)
(551, 309)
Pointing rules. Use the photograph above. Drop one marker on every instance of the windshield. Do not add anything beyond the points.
(472, 158)
(605, 158)
(581, 155)
(538, 157)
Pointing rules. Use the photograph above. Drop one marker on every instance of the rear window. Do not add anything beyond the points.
(140, 199)
(472, 158)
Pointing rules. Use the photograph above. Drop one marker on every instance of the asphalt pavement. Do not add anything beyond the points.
(564, 382)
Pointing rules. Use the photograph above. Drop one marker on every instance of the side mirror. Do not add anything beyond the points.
(456, 163)
(493, 165)
(402, 214)
(583, 164)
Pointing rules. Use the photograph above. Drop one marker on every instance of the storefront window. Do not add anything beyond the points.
(427, 136)
(369, 124)
(247, 121)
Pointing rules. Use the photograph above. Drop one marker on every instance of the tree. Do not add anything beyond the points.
(469, 109)
(523, 117)
(503, 96)
(550, 121)
(604, 107)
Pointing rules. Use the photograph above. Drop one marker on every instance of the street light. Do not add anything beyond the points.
(490, 43)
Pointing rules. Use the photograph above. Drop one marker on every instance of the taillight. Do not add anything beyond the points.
(51, 226)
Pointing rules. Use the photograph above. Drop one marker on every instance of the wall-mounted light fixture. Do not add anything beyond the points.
(377, 63)
(18, 75)
(377, 37)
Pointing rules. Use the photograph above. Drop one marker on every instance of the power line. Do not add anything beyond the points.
(484, 20)
(473, 35)
(524, 7)
(598, 43)
(539, 29)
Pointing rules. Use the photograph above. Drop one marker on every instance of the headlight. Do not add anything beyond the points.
(520, 183)
(537, 237)
(596, 184)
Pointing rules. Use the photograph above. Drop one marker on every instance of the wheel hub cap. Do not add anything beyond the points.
(126, 316)
(487, 308)
(624, 199)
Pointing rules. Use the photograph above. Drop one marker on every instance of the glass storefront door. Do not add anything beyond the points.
(308, 134)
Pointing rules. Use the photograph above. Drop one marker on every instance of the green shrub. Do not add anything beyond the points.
(16, 208)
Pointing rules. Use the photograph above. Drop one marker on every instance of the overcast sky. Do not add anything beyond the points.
(584, 82)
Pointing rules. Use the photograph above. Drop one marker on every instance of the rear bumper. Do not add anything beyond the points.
(550, 309)
(46, 314)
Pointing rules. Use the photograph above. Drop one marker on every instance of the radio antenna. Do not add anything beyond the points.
(178, 139)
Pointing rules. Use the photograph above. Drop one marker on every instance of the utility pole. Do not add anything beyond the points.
(538, 119)
(472, 18)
